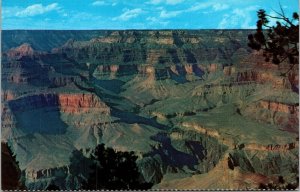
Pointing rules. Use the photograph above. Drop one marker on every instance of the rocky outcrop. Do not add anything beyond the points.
(229, 70)
(6, 115)
(270, 147)
(270, 163)
(229, 142)
(152, 169)
(67, 102)
(201, 129)
(254, 67)
(278, 82)
(74, 110)
(23, 50)
(75, 103)
(7, 95)
(32, 175)
(280, 107)
(180, 152)
(61, 81)
(8, 122)
(285, 115)
(25, 70)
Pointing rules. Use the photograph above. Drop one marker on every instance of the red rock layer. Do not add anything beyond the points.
(23, 50)
(76, 103)
(279, 107)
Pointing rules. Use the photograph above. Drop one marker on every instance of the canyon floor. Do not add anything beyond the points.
(199, 108)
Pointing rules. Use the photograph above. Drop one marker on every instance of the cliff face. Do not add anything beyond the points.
(66, 102)
(7, 95)
(74, 103)
(152, 47)
(186, 102)
(54, 106)
(22, 50)
(285, 115)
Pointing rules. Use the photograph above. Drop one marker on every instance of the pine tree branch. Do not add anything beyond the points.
(281, 9)
(283, 17)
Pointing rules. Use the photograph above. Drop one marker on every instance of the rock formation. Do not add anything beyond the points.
(192, 105)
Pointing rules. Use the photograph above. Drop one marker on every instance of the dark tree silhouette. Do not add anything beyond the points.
(280, 42)
(52, 187)
(78, 170)
(281, 185)
(114, 171)
(10, 173)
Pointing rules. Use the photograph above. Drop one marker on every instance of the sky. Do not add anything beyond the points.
(138, 14)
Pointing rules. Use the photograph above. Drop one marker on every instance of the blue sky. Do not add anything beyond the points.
(137, 14)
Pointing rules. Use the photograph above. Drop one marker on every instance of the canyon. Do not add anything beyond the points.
(199, 108)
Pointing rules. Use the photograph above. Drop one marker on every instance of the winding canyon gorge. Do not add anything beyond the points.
(199, 108)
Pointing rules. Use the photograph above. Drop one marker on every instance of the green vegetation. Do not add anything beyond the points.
(108, 169)
(280, 42)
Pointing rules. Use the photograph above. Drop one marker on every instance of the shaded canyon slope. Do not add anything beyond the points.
(192, 105)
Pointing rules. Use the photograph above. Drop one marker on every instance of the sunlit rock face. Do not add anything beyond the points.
(192, 105)
(23, 50)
